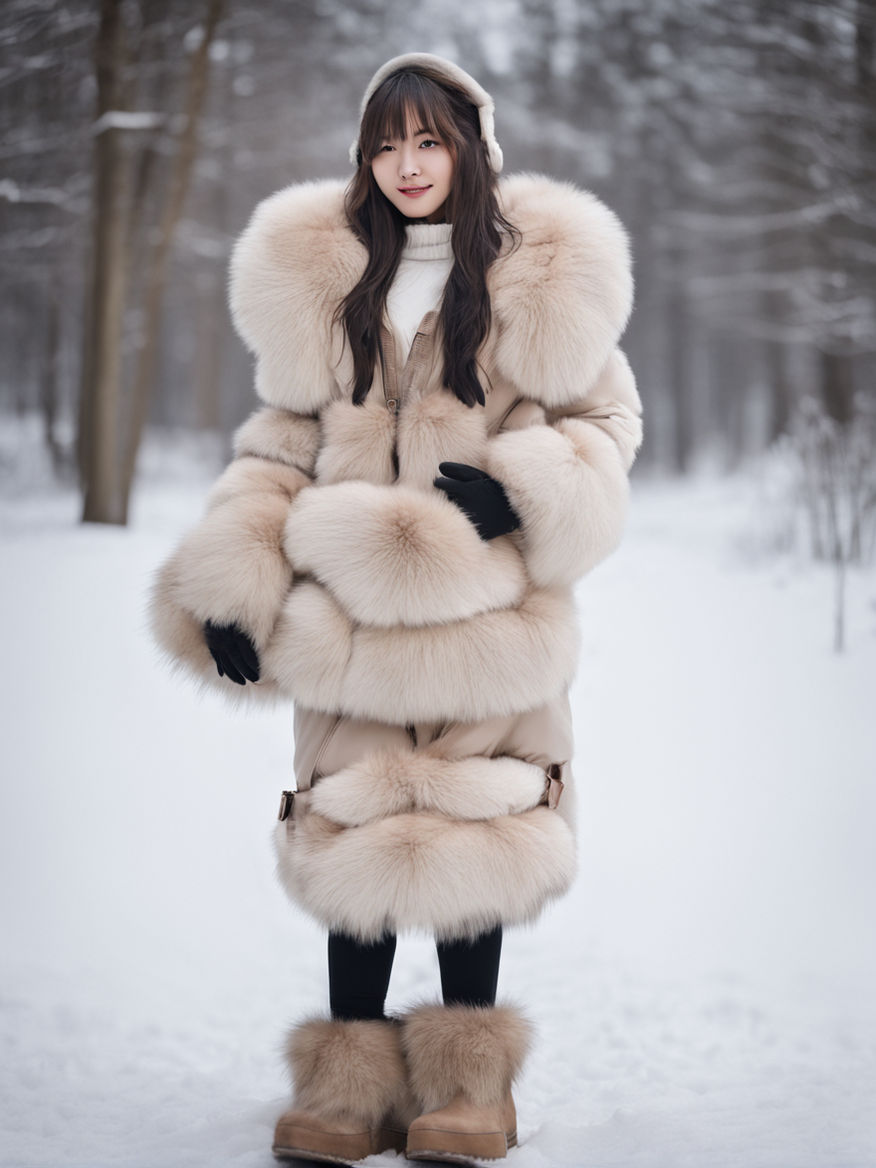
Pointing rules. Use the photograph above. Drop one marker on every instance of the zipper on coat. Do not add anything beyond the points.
(329, 735)
(396, 385)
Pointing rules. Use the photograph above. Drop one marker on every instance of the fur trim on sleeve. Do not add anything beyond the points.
(396, 555)
(231, 568)
(568, 484)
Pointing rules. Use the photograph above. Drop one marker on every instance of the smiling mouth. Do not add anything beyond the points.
(414, 190)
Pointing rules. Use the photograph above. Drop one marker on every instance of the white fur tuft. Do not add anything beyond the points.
(397, 556)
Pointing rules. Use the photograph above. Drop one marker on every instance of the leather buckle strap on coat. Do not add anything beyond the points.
(553, 791)
(553, 788)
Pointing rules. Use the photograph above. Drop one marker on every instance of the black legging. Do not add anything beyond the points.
(359, 974)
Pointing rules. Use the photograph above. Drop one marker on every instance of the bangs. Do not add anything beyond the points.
(401, 99)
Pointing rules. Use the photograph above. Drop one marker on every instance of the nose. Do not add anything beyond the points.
(408, 163)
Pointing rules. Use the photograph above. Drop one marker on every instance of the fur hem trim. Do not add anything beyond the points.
(569, 486)
(393, 782)
(560, 301)
(347, 1069)
(475, 1050)
(398, 556)
(433, 673)
(425, 872)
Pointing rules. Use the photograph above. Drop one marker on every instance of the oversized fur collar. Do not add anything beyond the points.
(560, 301)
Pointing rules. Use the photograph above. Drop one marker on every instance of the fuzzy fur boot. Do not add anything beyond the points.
(351, 1098)
(462, 1061)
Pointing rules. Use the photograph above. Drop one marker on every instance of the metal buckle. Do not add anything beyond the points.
(287, 801)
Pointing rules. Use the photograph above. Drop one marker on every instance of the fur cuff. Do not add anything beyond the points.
(397, 556)
(474, 1050)
(230, 569)
(569, 486)
(344, 1069)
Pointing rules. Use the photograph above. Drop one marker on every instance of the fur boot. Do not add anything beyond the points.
(462, 1061)
(351, 1098)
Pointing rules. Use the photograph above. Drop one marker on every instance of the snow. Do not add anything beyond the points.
(705, 995)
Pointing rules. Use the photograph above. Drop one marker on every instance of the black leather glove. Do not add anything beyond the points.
(233, 651)
(480, 496)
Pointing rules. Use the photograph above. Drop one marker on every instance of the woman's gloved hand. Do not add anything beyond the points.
(233, 651)
(480, 496)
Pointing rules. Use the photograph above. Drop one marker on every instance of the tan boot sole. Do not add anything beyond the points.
(390, 1139)
(306, 1155)
(459, 1154)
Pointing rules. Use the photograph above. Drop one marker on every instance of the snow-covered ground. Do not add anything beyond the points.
(705, 997)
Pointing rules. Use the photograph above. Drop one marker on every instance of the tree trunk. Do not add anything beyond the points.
(102, 357)
(157, 270)
(49, 382)
(837, 386)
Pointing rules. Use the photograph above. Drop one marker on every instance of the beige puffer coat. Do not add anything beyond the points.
(429, 669)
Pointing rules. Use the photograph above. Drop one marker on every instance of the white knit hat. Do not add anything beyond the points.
(479, 97)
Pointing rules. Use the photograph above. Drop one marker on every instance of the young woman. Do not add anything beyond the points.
(442, 453)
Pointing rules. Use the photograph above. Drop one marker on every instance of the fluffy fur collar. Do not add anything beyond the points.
(560, 301)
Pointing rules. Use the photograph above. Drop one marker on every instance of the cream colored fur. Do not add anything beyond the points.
(560, 301)
(438, 672)
(434, 429)
(290, 268)
(398, 556)
(231, 568)
(347, 1069)
(280, 436)
(369, 594)
(569, 486)
(563, 299)
(425, 872)
(393, 782)
(476, 1051)
(615, 407)
(356, 442)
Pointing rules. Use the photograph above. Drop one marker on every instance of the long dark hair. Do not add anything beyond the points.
(472, 207)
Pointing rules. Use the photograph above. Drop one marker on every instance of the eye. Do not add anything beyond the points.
(385, 146)
(429, 142)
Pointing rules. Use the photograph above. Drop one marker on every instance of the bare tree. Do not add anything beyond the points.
(111, 420)
(102, 351)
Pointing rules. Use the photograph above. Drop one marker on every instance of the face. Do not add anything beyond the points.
(415, 173)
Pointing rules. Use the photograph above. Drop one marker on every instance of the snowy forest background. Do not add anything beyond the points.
(706, 995)
(736, 141)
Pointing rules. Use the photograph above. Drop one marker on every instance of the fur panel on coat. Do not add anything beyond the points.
(429, 669)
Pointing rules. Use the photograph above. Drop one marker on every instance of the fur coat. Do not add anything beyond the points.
(429, 669)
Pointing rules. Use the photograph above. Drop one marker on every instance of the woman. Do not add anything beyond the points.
(443, 452)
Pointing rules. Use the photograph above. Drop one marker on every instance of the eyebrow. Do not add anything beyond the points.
(388, 137)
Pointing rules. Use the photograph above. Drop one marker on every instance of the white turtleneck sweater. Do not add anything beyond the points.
(419, 282)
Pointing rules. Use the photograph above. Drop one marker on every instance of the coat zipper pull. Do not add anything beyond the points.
(392, 405)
